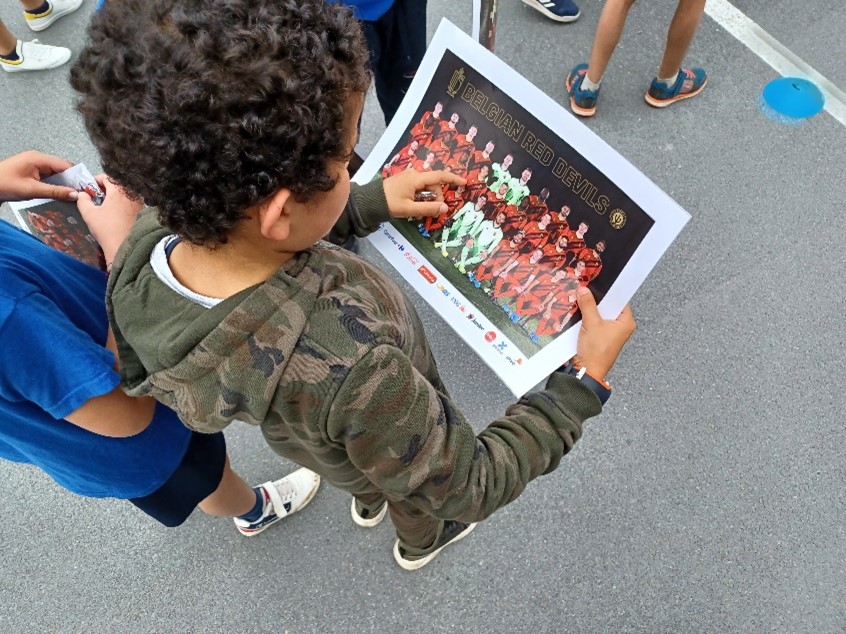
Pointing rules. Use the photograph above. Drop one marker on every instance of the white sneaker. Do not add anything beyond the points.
(361, 517)
(35, 56)
(282, 498)
(58, 8)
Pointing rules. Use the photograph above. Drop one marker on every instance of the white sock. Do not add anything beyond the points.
(587, 84)
(670, 81)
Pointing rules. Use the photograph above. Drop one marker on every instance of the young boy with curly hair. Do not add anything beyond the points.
(235, 121)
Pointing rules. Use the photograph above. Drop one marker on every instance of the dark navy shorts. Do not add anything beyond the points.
(196, 477)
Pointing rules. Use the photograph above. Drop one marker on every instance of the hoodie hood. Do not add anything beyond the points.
(203, 361)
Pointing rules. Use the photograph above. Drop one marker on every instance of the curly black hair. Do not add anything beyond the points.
(203, 108)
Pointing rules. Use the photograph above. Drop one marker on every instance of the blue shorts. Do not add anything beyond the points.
(196, 477)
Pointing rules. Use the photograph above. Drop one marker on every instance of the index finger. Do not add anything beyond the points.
(439, 177)
(48, 164)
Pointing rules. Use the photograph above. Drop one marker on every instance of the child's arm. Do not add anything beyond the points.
(114, 414)
(110, 222)
(414, 442)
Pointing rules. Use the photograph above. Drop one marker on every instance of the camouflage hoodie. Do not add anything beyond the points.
(329, 359)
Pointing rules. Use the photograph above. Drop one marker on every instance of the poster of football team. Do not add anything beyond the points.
(59, 225)
(547, 207)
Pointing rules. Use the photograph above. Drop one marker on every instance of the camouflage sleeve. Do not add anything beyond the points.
(366, 209)
(410, 440)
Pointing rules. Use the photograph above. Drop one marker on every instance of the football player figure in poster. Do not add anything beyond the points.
(537, 204)
(464, 223)
(560, 224)
(592, 259)
(538, 232)
(498, 259)
(458, 162)
(556, 253)
(500, 172)
(518, 189)
(477, 182)
(521, 269)
(482, 157)
(425, 165)
(453, 199)
(443, 146)
(547, 286)
(401, 159)
(429, 125)
(516, 218)
(465, 142)
(499, 203)
(556, 314)
(479, 246)
(447, 126)
(576, 244)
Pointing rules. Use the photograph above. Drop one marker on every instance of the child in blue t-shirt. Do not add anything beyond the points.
(61, 408)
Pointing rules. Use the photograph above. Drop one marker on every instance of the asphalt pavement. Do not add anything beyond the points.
(708, 496)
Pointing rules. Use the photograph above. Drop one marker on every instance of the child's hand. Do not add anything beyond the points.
(110, 222)
(20, 177)
(401, 188)
(601, 340)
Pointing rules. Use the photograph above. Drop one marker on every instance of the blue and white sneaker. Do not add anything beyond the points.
(282, 498)
(689, 83)
(558, 10)
(582, 102)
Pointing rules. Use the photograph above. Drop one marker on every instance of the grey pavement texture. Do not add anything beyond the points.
(708, 497)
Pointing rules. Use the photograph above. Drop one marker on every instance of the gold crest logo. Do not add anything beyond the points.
(456, 82)
(617, 218)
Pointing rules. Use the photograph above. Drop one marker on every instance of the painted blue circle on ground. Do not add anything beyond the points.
(794, 97)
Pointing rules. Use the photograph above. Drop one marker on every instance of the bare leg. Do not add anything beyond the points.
(29, 5)
(8, 42)
(680, 35)
(233, 496)
(608, 33)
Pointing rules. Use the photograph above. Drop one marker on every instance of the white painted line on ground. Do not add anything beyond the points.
(782, 59)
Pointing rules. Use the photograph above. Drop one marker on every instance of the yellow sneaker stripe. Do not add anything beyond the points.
(35, 16)
(11, 62)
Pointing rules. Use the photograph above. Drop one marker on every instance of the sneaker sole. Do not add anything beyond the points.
(375, 521)
(550, 15)
(582, 112)
(663, 103)
(52, 18)
(419, 563)
(253, 533)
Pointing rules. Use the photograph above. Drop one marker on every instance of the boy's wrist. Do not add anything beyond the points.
(591, 379)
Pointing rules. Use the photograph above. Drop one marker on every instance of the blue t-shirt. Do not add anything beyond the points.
(53, 326)
(368, 10)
